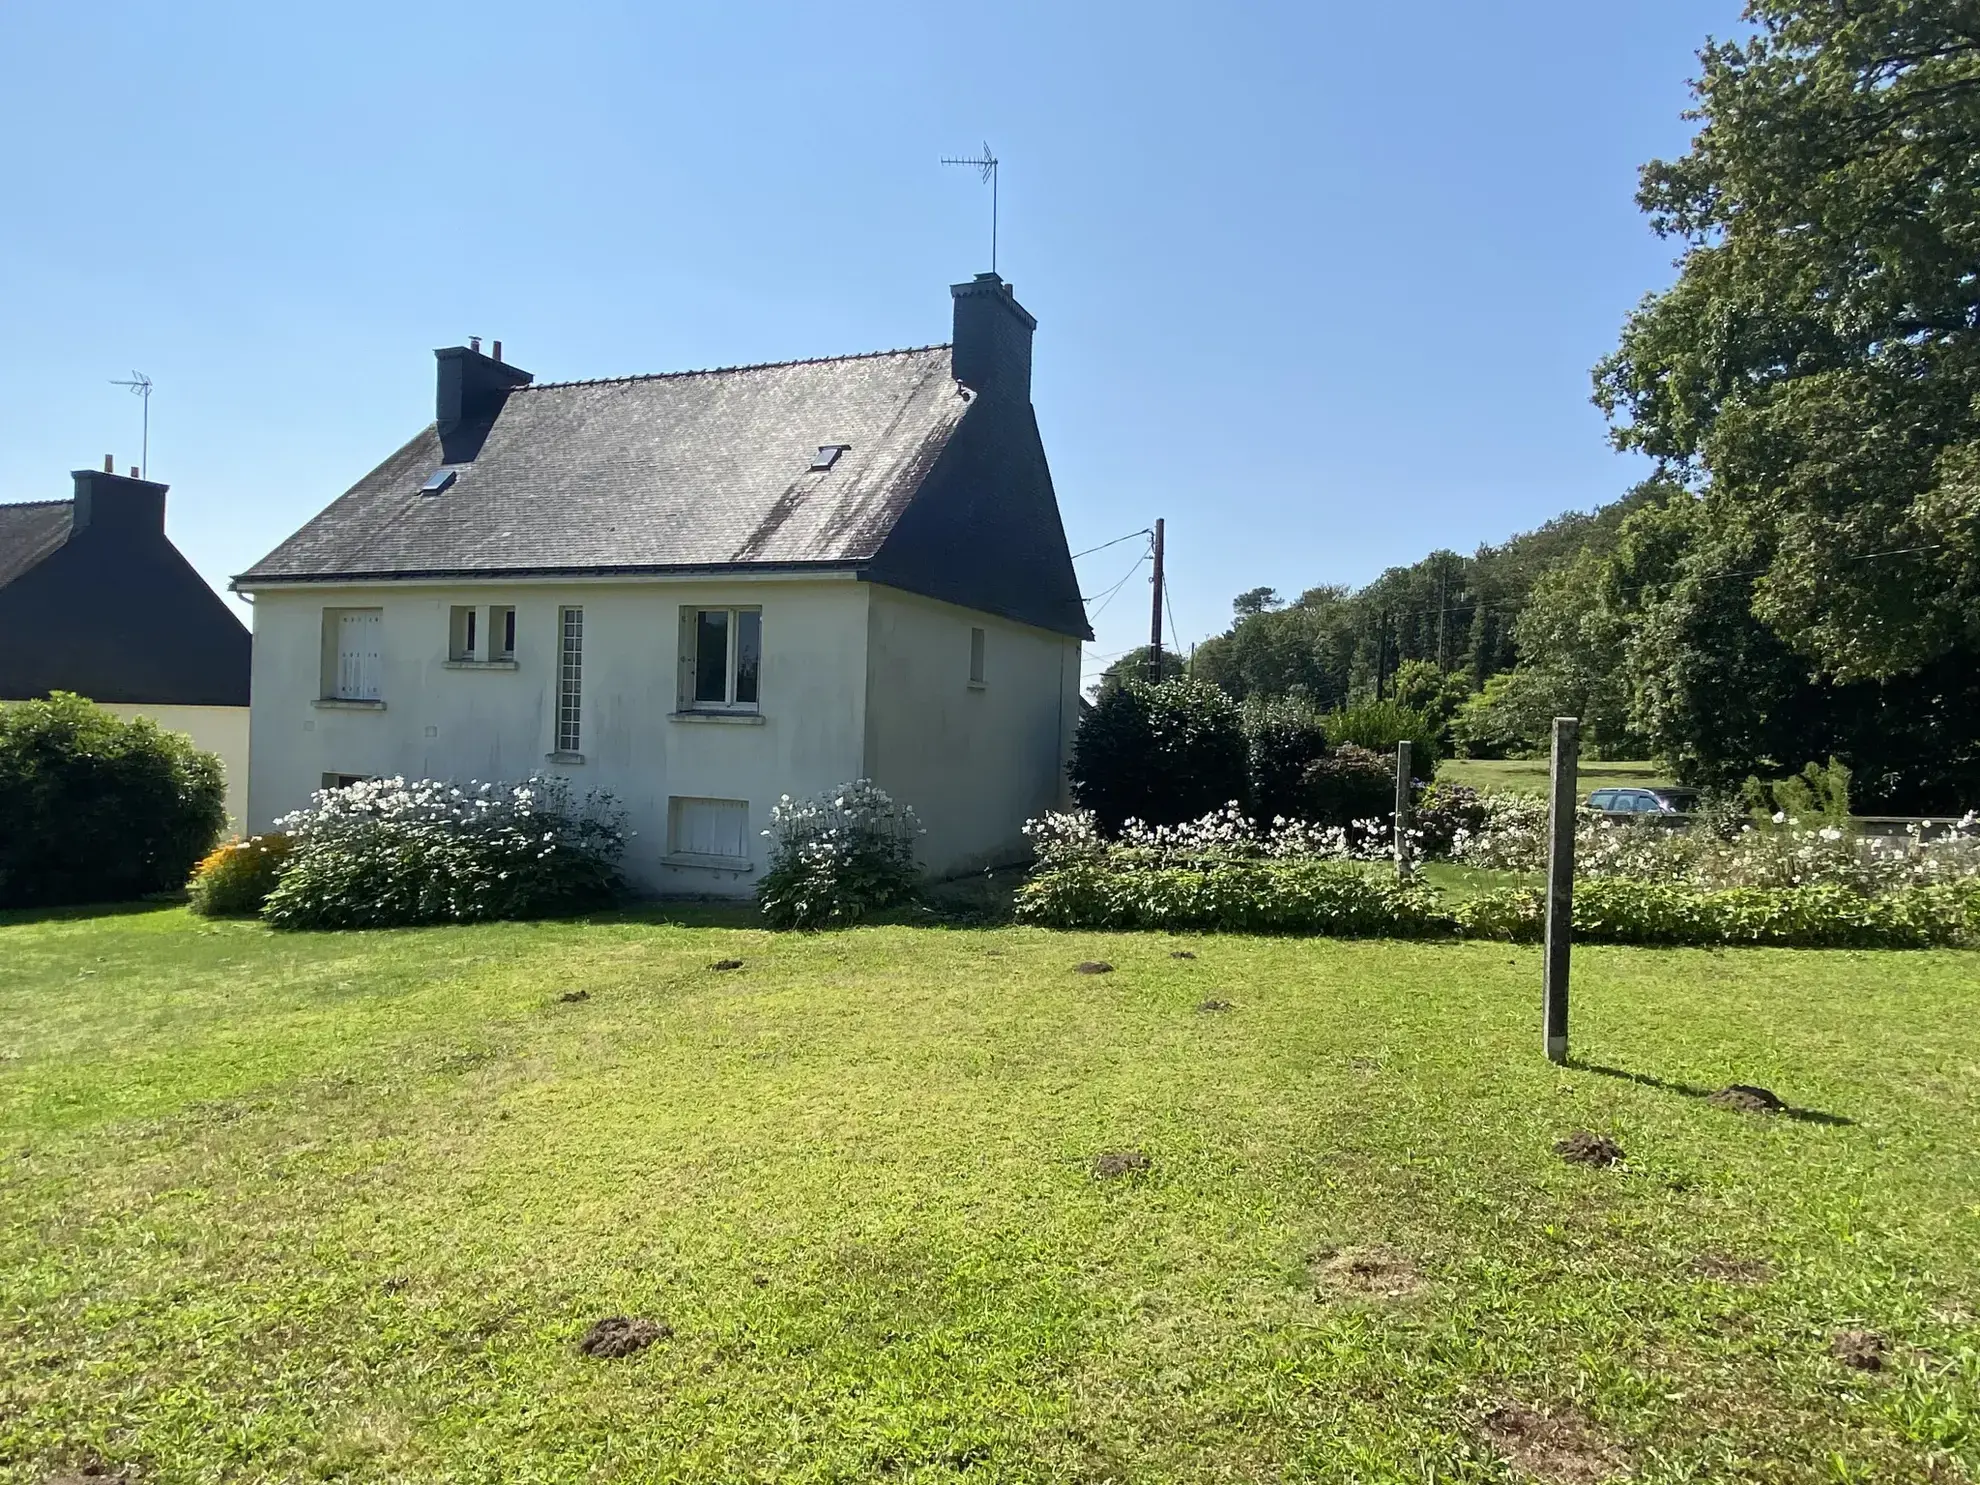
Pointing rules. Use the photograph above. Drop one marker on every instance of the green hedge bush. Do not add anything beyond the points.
(1238, 896)
(1617, 911)
(94, 808)
(1162, 754)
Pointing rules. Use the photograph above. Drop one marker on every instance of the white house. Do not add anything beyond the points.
(698, 591)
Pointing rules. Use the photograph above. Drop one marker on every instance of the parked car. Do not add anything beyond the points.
(1644, 801)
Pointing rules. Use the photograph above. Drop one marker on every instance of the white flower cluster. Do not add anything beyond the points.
(1227, 834)
(1781, 853)
(838, 856)
(537, 813)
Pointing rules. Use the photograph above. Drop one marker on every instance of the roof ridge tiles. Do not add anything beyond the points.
(664, 376)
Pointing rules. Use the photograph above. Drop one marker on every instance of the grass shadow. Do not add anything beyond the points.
(1692, 1090)
(79, 912)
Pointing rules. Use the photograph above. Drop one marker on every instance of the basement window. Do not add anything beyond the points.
(828, 455)
(712, 829)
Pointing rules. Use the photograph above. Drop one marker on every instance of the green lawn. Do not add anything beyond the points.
(1529, 775)
(341, 1207)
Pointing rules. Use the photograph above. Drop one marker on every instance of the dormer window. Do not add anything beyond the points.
(827, 455)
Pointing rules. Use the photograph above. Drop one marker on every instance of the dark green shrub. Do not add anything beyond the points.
(1237, 896)
(234, 879)
(387, 853)
(1620, 911)
(1283, 739)
(1349, 785)
(1379, 725)
(97, 809)
(839, 857)
(1158, 753)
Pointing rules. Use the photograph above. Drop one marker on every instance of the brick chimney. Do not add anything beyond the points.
(470, 393)
(992, 338)
(118, 504)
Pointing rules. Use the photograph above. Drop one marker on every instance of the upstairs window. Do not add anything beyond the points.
(461, 634)
(502, 633)
(353, 654)
(721, 656)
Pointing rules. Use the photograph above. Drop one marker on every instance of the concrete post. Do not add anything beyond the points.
(1402, 810)
(1560, 881)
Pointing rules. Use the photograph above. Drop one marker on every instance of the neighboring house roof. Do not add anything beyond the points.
(94, 598)
(29, 532)
(940, 488)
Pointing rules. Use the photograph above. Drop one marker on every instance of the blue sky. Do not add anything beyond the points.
(1320, 283)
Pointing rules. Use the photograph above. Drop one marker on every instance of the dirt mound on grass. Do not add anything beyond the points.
(1746, 1099)
(572, 997)
(1862, 1349)
(726, 964)
(1116, 1163)
(1216, 1005)
(1559, 1448)
(1182, 954)
(1728, 1270)
(1583, 1148)
(1374, 1271)
(622, 1335)
(1093, 967)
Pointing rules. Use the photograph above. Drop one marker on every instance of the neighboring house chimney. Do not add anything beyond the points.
(117, 503)
(472, 389)
(992, 338)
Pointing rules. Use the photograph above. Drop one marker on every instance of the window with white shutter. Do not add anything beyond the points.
(354, 662)
(716, 828)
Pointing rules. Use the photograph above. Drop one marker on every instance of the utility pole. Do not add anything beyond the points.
(1443, 609)
(1155, 613)
(1381, 654)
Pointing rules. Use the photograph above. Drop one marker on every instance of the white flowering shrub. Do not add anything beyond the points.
(389, 852)
(1779, 853)
(1221, 873)
(838, 857)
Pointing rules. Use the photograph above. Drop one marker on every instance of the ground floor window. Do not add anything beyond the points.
(708, 827)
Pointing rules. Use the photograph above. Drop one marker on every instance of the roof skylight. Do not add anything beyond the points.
(828, 455)
(438, 481)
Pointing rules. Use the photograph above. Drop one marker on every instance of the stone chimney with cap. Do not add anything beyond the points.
(118, 505)
(992, 339)
(470, 392)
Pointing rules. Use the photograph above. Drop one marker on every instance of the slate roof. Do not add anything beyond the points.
(29, 532)
(687, 469)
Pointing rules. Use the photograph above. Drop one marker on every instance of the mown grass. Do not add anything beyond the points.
(340, 1206)
(1531, 775)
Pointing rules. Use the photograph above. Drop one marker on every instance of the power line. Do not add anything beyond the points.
(1144, 531)
(1108, 596)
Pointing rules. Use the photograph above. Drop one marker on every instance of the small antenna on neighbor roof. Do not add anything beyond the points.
(987, 164)
(140, 386)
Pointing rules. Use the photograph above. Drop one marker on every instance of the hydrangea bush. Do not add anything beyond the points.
(389, 852)
(838, 857)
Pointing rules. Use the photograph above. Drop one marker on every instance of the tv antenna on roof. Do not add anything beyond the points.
(140, 386)
(987, 164)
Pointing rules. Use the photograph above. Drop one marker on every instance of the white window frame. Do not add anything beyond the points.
(501, 640)
(567, 719)
(343, 681)
(691, 658)
(462, 635)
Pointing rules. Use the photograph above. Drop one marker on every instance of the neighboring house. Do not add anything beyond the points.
(94, 598)
(698, 591)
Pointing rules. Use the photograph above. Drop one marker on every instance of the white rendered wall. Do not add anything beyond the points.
(975, 762)
(445, 722)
